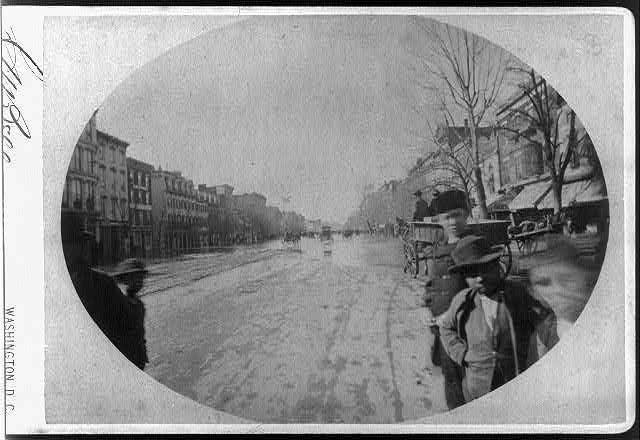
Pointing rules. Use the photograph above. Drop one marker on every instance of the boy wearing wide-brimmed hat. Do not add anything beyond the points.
(487, 328)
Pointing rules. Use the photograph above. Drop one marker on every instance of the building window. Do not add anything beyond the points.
(114, 202)
(86, 161)
(123, 180)
(123, 209)
(103, 206)
(91, 196)
(74, 159)
(65, 194)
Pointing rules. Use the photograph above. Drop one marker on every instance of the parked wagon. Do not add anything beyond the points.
(496, 233)
(421, 239)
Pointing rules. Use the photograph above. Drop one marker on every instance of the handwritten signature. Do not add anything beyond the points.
(12, 117)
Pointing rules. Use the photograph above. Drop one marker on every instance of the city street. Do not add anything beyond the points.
(275, 335)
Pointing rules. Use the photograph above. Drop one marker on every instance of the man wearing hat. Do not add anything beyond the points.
(422, 208)
(442, 286)
(131, 273)
(487, 328)
(111, 311)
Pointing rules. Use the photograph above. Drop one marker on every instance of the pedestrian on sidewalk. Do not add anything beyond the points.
(114, 313)
(131, 273)
(488, 326)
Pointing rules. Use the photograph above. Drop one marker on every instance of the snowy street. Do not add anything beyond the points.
(273, 335)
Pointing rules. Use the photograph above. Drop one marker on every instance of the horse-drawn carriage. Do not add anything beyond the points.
(420, 241)
(291, 241)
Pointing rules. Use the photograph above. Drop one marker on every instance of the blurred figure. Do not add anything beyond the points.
(560, 282)
(131, 273)
(112, 311)
(421, 209)
(487, 328)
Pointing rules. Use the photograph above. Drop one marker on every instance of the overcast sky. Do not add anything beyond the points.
(309, 109)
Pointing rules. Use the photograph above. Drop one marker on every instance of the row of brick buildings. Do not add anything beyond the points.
(134, 209)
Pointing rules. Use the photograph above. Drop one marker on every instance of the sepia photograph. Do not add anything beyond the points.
(324, 220)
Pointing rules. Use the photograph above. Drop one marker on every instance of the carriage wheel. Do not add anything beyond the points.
(506, 259)
(410, 264)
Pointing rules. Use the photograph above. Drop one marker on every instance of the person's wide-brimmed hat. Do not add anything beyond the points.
(471, 251)
(559, 248)
(128, 267)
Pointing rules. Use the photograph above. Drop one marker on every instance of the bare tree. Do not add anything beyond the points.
(542, 113)
(465, 73)
(453, 162)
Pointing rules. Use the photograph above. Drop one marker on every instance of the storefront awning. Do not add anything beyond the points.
(530, 196)
(502, 202)
(573, 193)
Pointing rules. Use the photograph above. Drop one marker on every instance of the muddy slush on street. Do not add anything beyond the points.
(277, 336)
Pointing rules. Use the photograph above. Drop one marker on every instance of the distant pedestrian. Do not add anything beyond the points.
(561, 283)
(422, 209)
(487, 328)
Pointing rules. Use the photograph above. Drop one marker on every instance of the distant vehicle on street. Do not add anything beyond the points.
(327, 240)
(291, 241)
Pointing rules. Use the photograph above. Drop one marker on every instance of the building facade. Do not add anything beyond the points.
(112, 197)
(525, 176)
(79, 207)
(140, 202)
(179, 213)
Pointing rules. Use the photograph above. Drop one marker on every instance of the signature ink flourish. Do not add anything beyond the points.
(11, 115)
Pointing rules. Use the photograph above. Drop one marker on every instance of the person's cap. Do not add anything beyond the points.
(129, 266)
(449, 201)
(558, 248)
(470, 251)
(417, 193)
